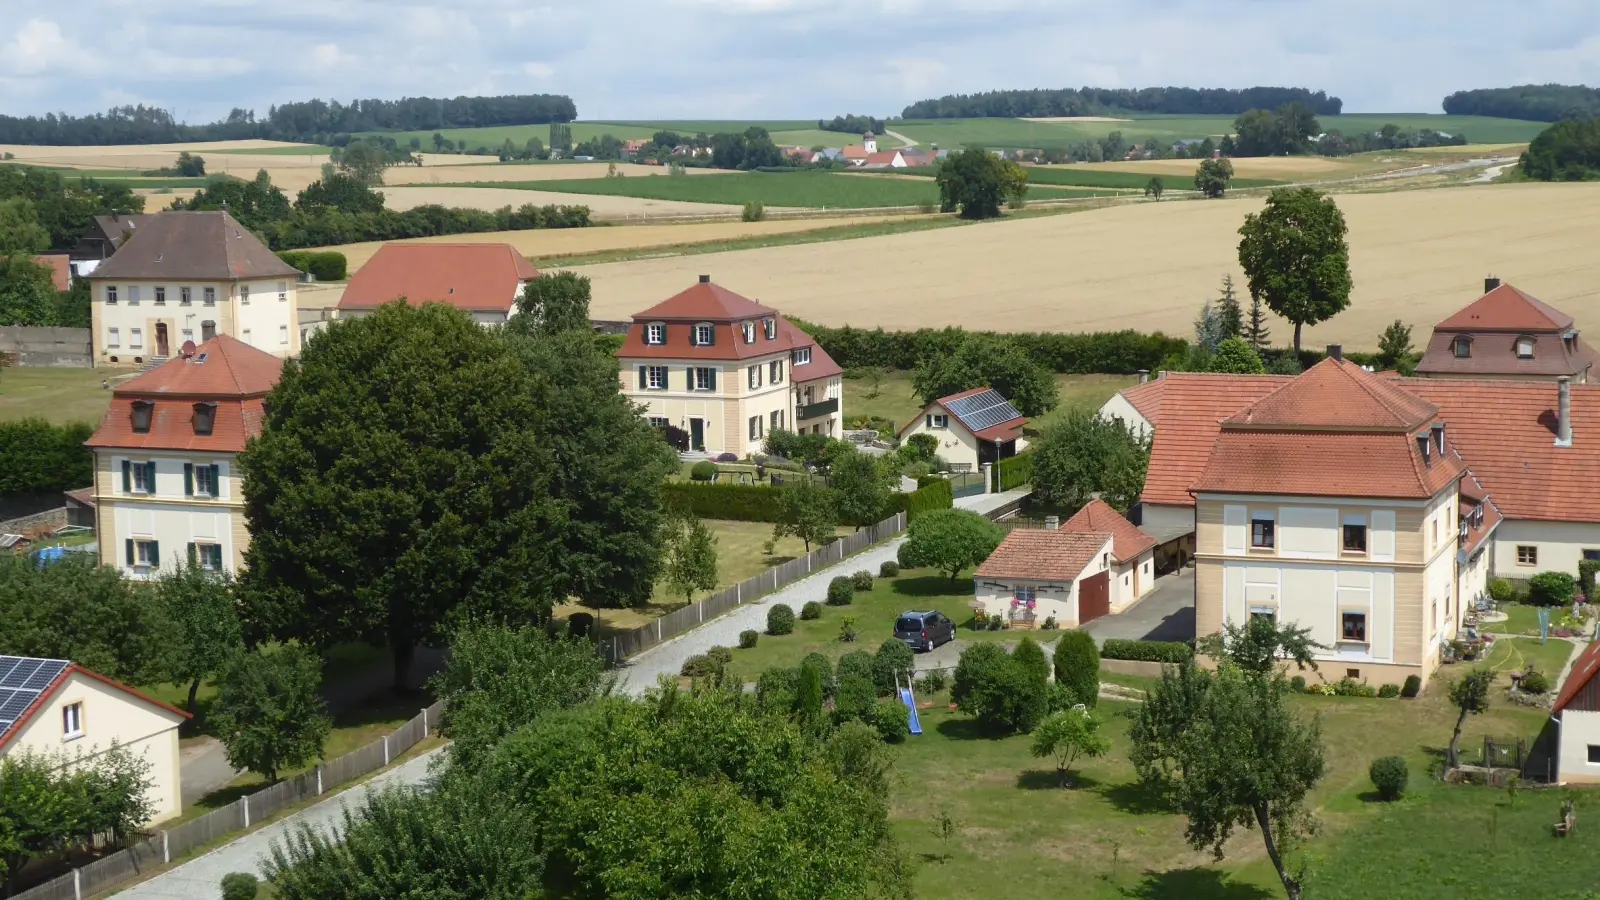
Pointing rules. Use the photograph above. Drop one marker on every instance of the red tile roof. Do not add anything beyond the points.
(473, 277)
(1193, 405)
(234, 375)
(1584, 669)
(43, 699)
(1146, 398)
(821, 365)
(60, 266)
(1325, 464)
(1336, 394)
(705, 302)
(1102, 518)
(854, 151)
(882, 158)
(726, 311)
(1509, 310)
(1474, 497)
(1037, 555)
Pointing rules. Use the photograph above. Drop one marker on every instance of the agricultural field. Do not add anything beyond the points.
(784, 133)
(602, 204)
(1096, 175)
(1415, 255)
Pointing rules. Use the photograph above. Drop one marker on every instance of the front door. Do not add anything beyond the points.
(161, 339)
(697, 434)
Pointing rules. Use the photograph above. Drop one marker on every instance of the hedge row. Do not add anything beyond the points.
(735, 502)
(325, 266)
(1013, 472)
(938, 495)
(1072, 354)
(1146, 651)
(38, 457)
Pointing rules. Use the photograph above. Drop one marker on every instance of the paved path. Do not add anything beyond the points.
(641, 672)
(201, 878)
(909, 143)
(1165, 614)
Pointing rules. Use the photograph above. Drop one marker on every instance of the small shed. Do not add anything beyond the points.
(1577, 713)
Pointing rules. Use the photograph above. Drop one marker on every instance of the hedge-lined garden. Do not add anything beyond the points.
(932, 496)
(37, 457)
(759, 503)
(1012, 472)
(324, 266)
(1115, 352)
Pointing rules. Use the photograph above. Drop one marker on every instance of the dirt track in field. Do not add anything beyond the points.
(1415, 255)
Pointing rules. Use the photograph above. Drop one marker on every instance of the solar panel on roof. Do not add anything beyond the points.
(22, 680)
(20, 672)
(46, 674)
(983, 410)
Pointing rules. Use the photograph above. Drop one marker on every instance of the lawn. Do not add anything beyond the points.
(802, 188)
(892, 397)
(61, 395)
(1522, 654)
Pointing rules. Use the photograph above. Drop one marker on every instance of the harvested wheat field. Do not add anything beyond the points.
(575, 241)
(602, 206)
(1276, 167)
(442, 173)
(1415, 256)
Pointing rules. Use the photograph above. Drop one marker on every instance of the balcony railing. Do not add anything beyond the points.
(817, 410)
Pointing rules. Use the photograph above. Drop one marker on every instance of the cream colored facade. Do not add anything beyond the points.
(132, 318)
(106, 714)
(165, 516)
(1556, 546)
(1402, 588)
(1119, 409)
(1051, 598)
(818, 391)
(729, 406)
(1577, 763)
(1131, 581)
(956, 443)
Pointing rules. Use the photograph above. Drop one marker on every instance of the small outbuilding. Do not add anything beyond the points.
(973, 427)
(1577, 715)
(1040, 574)
(1132, 551)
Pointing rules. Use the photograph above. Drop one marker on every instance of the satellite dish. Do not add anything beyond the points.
(188, 349)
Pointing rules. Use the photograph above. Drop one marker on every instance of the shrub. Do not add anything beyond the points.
(996, 623)
(1586, 573)
(812, 610)
(1412, 687)
(857, 663)
(240, 886)
(824, 669)
(1147, 651)
(855, 701)
(893, 720)
(936, 496)
(1298, 684)
(1012, 472)
(754, 211)
(1049, 624)
(720, 655)
(892, 665)
(38, 457)
(1077, 664)
(780, 620)
(727, 457)
(993, 688)
(1389, 691)
(1111, 352)
(889, 569)
(841, 591)
(324, 266)
(775, 689)
(748, 638)
(1347, 687)
(731, 502)
(701, 665)
(934, 680)
(1500, 590)
(705, 470)
(1551, 589)
(580, 625)
(1535, 682)
(847, 630)
(1389, 775)
(861, 581)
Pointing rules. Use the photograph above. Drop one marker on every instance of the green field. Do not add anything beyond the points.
(785, 133)
(1090, 176)
(810, 189)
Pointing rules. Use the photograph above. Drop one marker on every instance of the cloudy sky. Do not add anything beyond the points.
(770, 58)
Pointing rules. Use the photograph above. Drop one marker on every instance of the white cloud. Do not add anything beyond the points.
(41, 48)
(538, 70)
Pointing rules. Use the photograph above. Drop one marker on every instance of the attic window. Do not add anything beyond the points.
(1524, 348)
(143, 411)
(1463, 347)
(205, 417)
(749, 332)
(655, 333)
(704, 334)
(770, 326)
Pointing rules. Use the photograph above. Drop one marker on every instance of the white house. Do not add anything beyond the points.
(1132, 551)
(1577, 715)
(53, 707)
(973, 427)
(1036, 575)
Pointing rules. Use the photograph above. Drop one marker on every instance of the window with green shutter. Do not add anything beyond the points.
(188, 486)
(127, 477)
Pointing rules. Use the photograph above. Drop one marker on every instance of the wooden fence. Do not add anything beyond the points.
(619, 647)
(164, 846)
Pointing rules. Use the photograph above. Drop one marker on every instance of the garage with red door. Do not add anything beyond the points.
(1094, 598)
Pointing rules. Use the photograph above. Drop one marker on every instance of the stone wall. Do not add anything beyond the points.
(28, 346)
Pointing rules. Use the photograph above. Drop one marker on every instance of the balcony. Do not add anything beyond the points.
(816, 410)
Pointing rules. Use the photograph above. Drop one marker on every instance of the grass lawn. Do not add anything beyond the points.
(895, 401)
(61, 395)
(1523, 619)
(1521, 654)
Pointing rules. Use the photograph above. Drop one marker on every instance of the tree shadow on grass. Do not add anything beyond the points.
(1194, 884)
(961, 730)
(1137, 798)
(383, 706)
(1050, 780)
(221, 797)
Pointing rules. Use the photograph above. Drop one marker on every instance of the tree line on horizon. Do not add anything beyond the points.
(316, 121)
(1533, 102)
(1088, 101)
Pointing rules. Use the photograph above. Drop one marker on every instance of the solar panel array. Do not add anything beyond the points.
(22, 680)
(983, 410)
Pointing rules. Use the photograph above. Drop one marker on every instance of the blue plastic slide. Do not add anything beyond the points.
(911, 704)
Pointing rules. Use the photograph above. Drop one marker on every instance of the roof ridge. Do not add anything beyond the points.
(1369, 383)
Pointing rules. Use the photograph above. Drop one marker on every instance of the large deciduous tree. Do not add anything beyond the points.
(553, 303)
(76, 609)
(978, 183)
(28, 294)
(269, 712)
(1235, 356)
(950, 540)
(1082, 456)
(201, 611)
(20, 230)
(691, 551)
(987, 361)
(1296, 257)
(400, 483)
(805, 511)
(860, 486)
(1212, 177)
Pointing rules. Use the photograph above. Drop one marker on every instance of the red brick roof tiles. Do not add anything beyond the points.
(1192, 407)
(1325, 464)
(233, 375)
(1037, 555)
(60, 266)
(1336, 394)
(1146, 398)
(705, 302)
(1473, 498)
(1507, 309)
(1584, 669)
(1099, 517)
(473, 277)
(727, 312)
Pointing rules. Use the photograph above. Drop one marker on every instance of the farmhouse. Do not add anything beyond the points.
(973, 427)
(190, 276)
(1507, 334)
(1577, 715)
(728, 371)
(167, 485)
(483, 280)
(53, 706)
(888, 159)
(1037, 575)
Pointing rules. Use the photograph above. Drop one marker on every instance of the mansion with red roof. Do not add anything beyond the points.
(728, 371)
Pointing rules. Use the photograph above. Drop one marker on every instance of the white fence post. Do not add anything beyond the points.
(166, 849)
(77, 883)
(386, 749)
(424, 721)
(245, 800)
(319, 779)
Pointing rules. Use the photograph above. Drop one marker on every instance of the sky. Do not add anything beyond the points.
(770, 59)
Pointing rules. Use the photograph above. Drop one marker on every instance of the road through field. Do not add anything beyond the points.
(1415, 255)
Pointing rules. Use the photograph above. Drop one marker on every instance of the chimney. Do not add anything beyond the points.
(1438, 438)
(1052, 523)
(1423, 444)
(1336, 351)
(1564, 411)
(1144, 376)
(1490, 284)
(705, 279)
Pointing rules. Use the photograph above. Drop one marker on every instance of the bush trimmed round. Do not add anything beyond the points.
(701, 665)
(889, 569)
(857, 663)
(240, 886)
(1389, 691)
(893, 720)
(841, 591)
(1298, 684)
(705, 470)
(812, 610)
(861, 581)
(1389, 775)
(825, 669)
(1412, 687)
(893, 665)
(1552, 589)
(748, 638)
(780, 620)
(720, 655)
(1535, 682)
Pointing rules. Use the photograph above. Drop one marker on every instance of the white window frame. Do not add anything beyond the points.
(244, 294)
(185, 296)
(658, 421)
(655, 378)
(72, 721)
(704, 334)
(1366, 623)
(802, 356)
(655, 333)
(111, 295)
(1025, 593)
(754, 376)
(139, 481)
(749, 332)
(770, 328)
(200, 554)
(775, 371)
(938, 420)
(136, 338)
(1521, 342)
(755, 428)
(208, 491)
(161, 295)
(210, 297)
(283, 334)
(702, 378)
(113, 337)
(142, 558)
(776, 419)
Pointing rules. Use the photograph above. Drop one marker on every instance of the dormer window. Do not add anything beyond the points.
(749, 332)
(704, 334)
(802, 356)
(655, 333)
(205, 418)
(770, 326)
(143, 412)
(1524, 348)
(1463, 347)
